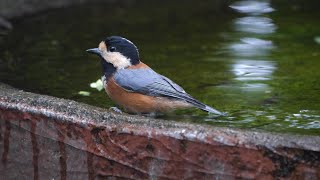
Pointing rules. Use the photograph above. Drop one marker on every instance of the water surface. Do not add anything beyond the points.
(255, 60)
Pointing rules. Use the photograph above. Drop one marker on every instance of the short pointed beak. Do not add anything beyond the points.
(94, 51)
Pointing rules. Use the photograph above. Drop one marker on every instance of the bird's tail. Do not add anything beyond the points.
(186, 97)
(202, 106)
(212, 110)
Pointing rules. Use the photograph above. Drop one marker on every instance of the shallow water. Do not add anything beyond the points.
(257, 61)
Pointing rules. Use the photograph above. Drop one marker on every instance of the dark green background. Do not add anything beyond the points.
(189, 42)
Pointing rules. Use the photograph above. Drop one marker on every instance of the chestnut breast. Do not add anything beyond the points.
(139, 103)
(131, 101)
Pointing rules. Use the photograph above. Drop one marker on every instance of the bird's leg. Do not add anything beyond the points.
(115, 109)
(152, 114)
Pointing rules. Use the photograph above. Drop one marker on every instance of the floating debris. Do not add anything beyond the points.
(84, 93)
(97, 85)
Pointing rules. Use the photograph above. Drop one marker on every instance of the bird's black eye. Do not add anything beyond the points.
(112, 49)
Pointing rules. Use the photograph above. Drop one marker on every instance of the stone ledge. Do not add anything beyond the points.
(109, 144)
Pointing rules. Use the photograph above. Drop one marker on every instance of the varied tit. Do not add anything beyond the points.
(135, 86)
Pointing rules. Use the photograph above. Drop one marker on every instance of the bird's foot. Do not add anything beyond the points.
(152, 114)
(115, 109)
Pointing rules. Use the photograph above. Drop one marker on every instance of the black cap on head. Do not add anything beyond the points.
(123, 46)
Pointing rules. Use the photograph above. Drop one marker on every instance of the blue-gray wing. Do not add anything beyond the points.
(173, 84)
(148, 82)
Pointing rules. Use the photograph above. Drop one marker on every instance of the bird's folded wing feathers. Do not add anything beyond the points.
(147, 81)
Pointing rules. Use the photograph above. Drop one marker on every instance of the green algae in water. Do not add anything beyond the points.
(263, 69)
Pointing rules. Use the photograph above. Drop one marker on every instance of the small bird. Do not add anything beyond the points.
(135, 86)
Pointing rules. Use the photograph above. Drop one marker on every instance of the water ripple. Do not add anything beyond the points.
(253, 24)
(252, 7)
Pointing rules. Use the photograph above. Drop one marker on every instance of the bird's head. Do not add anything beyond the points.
(117, 51)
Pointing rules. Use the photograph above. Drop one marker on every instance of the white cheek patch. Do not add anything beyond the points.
(118, 60)
(102, 46)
